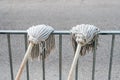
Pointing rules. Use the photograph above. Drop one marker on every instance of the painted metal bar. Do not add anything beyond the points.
(64, 32)
(43, 61)
(76, 71)
(109, 32)
(111, 57)
(94, 61)
(60, 57)
(10, 56)
(13, 31)
(27, 65)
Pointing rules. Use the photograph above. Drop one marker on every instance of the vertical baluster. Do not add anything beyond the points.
(60, 57)
(10, 56)
(27, 65)
(43, 61)
(94, 61)
(111, 57)
(76, 71)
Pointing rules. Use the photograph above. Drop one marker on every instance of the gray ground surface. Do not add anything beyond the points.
(62, 15)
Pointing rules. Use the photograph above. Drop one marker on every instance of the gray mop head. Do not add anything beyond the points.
(86, 35)
(43, 40)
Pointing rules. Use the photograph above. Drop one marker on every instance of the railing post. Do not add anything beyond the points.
(60, 57)
(111, 57)
(76, 71)
(94, 61)
(10, 56)
(27, 65)
(43, 61)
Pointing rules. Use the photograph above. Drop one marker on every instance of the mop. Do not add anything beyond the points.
(83, 40)
(38, 36)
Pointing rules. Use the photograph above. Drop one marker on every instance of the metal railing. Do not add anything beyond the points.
(60, 33)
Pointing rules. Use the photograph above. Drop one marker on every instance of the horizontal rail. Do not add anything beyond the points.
(65, 32)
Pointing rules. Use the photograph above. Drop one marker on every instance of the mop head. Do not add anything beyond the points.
(86, 35)
(45, 41)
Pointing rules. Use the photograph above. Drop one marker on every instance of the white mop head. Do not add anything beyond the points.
(41, 36)
(39, 33)
(84, 32)
(86, 35)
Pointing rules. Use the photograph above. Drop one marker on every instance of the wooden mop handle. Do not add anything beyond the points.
(70, 76)
(24, 61)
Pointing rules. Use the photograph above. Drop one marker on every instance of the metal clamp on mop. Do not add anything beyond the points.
(37, 35)
(83, 39)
